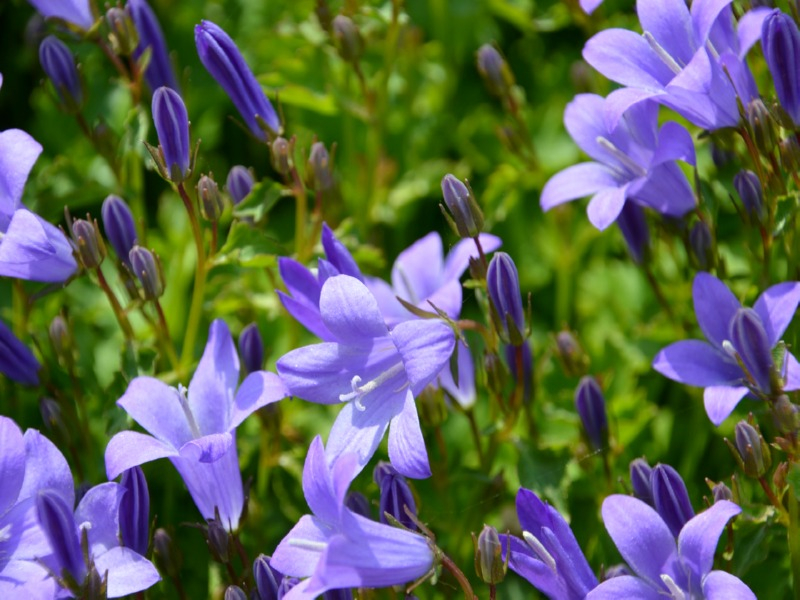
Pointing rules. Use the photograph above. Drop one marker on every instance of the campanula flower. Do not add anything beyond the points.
(665, 567)
(337, 549)
(159, 70)
(737, 359)
(375, 373)
(633, 161)
(196, 427)
(77, 12)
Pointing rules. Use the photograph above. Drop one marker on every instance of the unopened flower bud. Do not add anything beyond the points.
(266, 578)
(494, 70)
(239, 184)
(211, 203)
(339, 594)
(751, 450)
(640, 480)
(219, 541)
(720, 492)
(489, 563)
(119, 226)
(780, 41)
(287, 583)
(502, 283)
(134, 511)
(234, 592)
(633, 225)
(96, 585)
(251, 348)
(462, 213)
(91, 249)
(58, 525)
(573, 359)
(749, 189)
(166, 554)
(158, 71)
(785, 414)
(702, 245)
(779, 476)
(347, 38)
(671, 498)
(591, 407)
(720, 156)
(319, 170)
(396, 495)
(59, 66)
(60, 337)
(752, 347)
(121, 31)
(281, 153)
(53, 417)
(147, 268)
(358, 503)
(172, 126)
(763, 126)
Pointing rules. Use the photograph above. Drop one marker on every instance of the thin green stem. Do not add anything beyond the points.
(169, 347)
(196, 309)
(793, 534)
(122, 318)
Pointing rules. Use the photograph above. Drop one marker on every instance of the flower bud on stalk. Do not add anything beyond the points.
(495, 71)
(751, 451)
(234, 592)
(165, 554)
(147, 268)
(640, 480)
(251, 348)
(119, 226)
(266, 578)
(58, 525)
(53, 418)
(60, 338)
(239, 184)
(89, 242)
(211, 202)
(219, 541)
(172, 126)
(702, 245)
(671, 498)
(780, 41)
(280, 155)
(763, 126)
(633, 225)
(527, 368)
(502, 283)
(489, 563)
(720, 492)
(591, 407)
(223, 60)
(573, 359)
(752, 349)
(464, 216)
(158, 71)
(121, 31)
(134, 511)
(347, 38)
(396, 495)
(59, 66)
(319, 169)
(750, 193)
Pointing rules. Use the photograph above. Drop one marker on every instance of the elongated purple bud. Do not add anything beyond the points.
(147, 268)
(749, 189)
(223, 60)
(640, 480)
(502, 282)
(59, 64)
(494, 70)
(463, 213)
(780, 41)
(702, 244)
(395, 495)
(358, 503)
(267, 579)
(592, 409)
(159, 70)
(119, 226)
(754, 456)
(341, 594)
(633, 225)
(671, 498)
(251, 348)
(752, 347)
(17, 362)
(172, 126)
(287, 583)
(240, 183)
(134, 511)
(58, 524)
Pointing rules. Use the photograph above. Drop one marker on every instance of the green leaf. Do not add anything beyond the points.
(260, 200)
(248, 247)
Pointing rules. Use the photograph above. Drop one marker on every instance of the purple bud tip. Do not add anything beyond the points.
(17, 362)
(223, 60)
(251, 348)
(358, 503)
(749, 189)
(320, 169)
(159, 70)
(267, 579)
(58, 524)
(502, 282)
(633, 225)
(671, 498)
(59, 65)
(494, 70)
(749, 340)
(119, 226)
(640, 480)
(172, 126)
(592, 409)
(234, 592)
(465, 214)
(780, 41)
(239, 184)
(147, 268)
(134, 511)
(752, 449)
(396, 495)
(702, 244)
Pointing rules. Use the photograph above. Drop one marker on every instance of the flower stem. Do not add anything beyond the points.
(122, 318)
(299, 192)
(793, 535)
(196, 309)
(448, 564)
(169, 348)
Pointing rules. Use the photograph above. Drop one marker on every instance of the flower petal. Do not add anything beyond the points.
(259, 389)
(128, 572)
(338, 254)
(130, 449)
(523, 562)
(308, 316)
(45, 468)
(406, 444)
(577, 181)
(417, 272)
(674, 143)
(29, 580)
(698, 539)
(670, 24)
(721, 400)
(641, 537)
(719, 585)
(791, 373)
(157, 408)
(626, 57)
(704, 13)
(425, 346)
(666, 190)
(318, 484)
(748, 29)
(605, 206)
(18, 153)
(207, 449)
(624, 586)
(714, 306)
(457, 259)
(213, 385)
(694, 362)
(776, 307)
(622, 100)
(292, 557)
(99, 508)
(12, 463)
(350, 311)
(35, 250)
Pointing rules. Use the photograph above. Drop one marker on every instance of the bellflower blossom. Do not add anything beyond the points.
(634, 160)
(334, 547)
(30, 247)
(663, 567)
(737, 337)
(77, 12)
(681, 60)
(196, 428)
(374, 372)
(548, 555)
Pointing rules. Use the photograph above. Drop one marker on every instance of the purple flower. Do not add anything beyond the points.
(30, 247)
(591, 406)
(680, 61)
(223, 60)
(172, 126)
(77, 12)
(780, 40)
(663, 567)
(17, 362)
(59, 65)
(422, 274)
(119, 226)
(589, 6)
(374, 372)
(334, 547)
(464, 391)
(134, 511)
(196, 428)
(670, 498)
(502, 286)
(634, 160)
(548, 555)
(159, 70)
(737, 358)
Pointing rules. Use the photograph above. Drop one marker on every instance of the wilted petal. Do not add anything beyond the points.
(776, 307)
(720, 401)
(157, 408)
(694, 362)
(128, 572)
(577, 181)
(257, 390)
(425, 346)
(698, 539)
(406, 444)
(130, 449)
(714, 306)
(719, 585)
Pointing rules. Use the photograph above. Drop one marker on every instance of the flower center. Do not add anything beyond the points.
(665, 57)
(181, 392)
(675, 592)
(359, 391)
(627, 162)
(539, 550)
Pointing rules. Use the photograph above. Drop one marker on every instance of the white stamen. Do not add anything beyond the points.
(308, 545)
(634, 167)
(85, 525)
(5, 533)
(662, 54)
(359, 391)
(675, 592)
(187, 411)
(539, 550)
